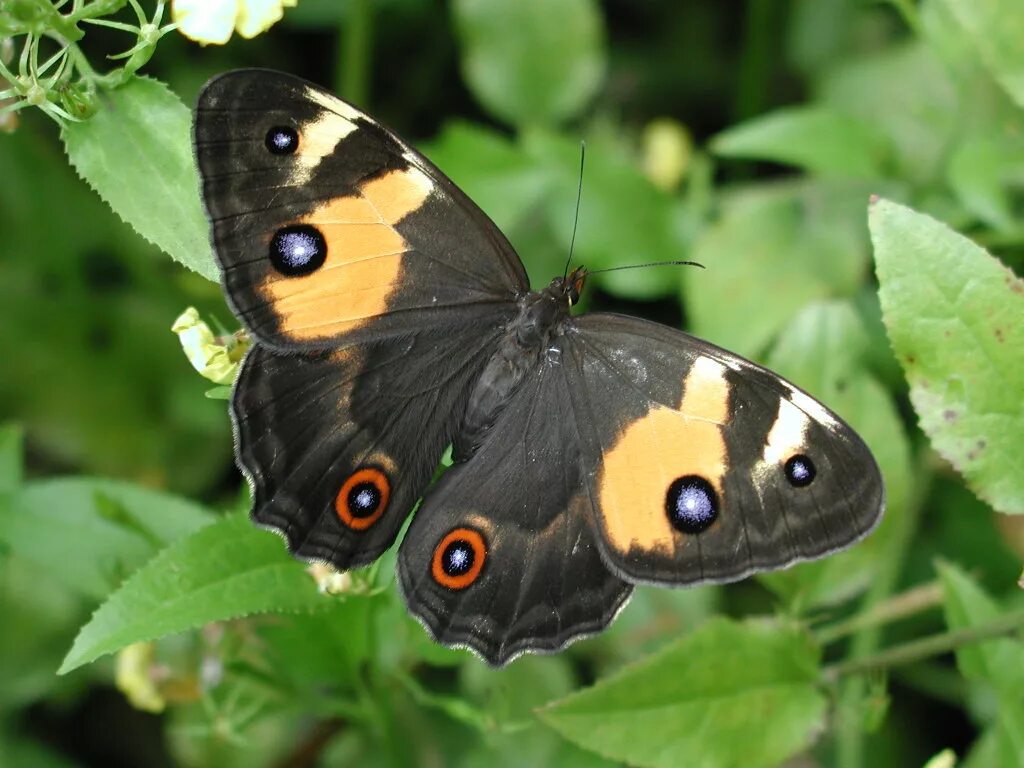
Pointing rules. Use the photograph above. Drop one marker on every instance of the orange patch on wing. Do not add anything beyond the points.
(653, 451)
(397, 194)
(476, 542)
(364, 259)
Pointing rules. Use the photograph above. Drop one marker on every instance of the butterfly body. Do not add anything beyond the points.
(392, 319)
(524, 346)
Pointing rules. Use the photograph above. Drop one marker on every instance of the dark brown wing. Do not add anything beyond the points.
(338, 446)
(502, 556)
(328, 228)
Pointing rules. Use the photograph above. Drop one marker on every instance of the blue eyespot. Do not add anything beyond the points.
(297, 250)
(691, 504)
(282, 140)
(800, 471)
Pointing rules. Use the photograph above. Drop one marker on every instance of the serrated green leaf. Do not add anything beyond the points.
(995, 28)
(60, 525)
(955, 316)
(817, 138)
(531, 61)
(728, 695)
(999, 662)
(224, 571)
(775, 248)
(824, 350)
(136, 152)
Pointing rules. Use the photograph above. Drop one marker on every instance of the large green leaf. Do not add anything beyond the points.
(136, 152)
(531, 61)
(728, 694)
(96, 383)
(815, 137)
(998, 662)
(824, 351)
(986, 163)
(996, 28)
(11, 437)
(955, 316)
(497, 175)
(906, 95)
(224, 571)
(774, 249)
(89, 532)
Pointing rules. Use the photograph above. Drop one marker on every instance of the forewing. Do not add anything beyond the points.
(328, 228)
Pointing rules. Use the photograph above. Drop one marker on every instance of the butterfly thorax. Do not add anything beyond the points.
(520, 350)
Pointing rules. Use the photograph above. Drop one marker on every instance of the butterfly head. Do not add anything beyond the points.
(570, 287)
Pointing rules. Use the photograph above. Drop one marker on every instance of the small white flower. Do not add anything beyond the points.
(213, 21)
(215, 360)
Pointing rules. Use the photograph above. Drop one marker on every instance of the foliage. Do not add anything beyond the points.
(751, 143)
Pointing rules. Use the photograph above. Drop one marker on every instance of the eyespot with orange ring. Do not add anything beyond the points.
(459, 558)
(363, 498)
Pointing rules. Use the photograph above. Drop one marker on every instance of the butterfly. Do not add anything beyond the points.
(591, 453)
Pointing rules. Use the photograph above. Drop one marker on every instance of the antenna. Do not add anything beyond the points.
(651, 264)
(576, 219)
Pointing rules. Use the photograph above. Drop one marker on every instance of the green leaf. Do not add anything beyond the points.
(775, 248)
(11, 469)
(1010, 732)
(624, 218)
(531, 61)
(999, 662)
(224, 571)
(955, 316)
(497, 176)
(727, 695)
(136, 152)
(814, 137)
(996, 28)
(18, 749)
(824, 350)
(96, 384)
(906, 95)
(89, 533)
(980, 172)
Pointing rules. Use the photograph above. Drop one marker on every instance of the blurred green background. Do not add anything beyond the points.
(744, 135)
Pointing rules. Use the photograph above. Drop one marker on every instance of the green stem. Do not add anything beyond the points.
(355, 47)
(926, 647)
(898, 607)
(82, 64)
